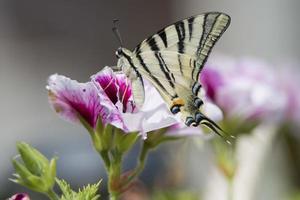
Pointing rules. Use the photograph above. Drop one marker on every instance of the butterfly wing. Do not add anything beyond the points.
(190, 39)
(172, 60)
(194, 36)
(170, 73)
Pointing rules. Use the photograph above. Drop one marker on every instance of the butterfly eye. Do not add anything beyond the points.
(119, 52)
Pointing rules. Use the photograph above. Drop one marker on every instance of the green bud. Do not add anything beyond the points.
(33, 169)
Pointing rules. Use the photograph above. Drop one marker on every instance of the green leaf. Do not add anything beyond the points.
(88, 192)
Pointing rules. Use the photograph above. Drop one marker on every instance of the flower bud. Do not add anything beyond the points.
(20, 196)
(34, 170)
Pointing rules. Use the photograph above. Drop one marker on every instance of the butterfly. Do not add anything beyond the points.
(172, 60)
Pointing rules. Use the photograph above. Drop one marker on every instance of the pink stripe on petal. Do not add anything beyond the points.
(125, 93)
(107, 81)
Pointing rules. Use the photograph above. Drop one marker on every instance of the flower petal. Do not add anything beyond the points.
(111, 110)
(212, 81)
(107, 81)
(249, 89)
(125, 93)
(70, 98)
(153, 115)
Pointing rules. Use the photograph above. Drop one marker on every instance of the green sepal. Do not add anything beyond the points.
(51, 172)
(107, 137)
(21, 170)
(102, 138)
(124, 141)
(38, 184)
(157, 137)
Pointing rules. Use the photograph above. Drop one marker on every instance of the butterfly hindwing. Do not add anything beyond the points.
(172, 72)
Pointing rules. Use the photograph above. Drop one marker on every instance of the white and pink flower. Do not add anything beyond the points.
(250, 89)
(108, 97)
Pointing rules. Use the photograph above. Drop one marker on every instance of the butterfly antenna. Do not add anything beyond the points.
(116, 31)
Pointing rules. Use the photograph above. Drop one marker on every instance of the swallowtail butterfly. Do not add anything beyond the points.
(172, 60)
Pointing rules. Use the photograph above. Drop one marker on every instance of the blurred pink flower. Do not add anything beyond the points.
(290, 81)
(248, 89)
(20, 196)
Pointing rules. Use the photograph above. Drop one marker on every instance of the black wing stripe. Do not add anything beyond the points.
(194, 68)
(207, 26)
(134, 68)
(190, 24)
(196, 87)
(181, 36)
(180, 64)
(214, 39)
(140, 59)
(164, 69)
(163, 37)
(152, 44)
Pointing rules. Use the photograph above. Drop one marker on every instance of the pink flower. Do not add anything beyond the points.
(20, 196)
(108, 97)
(247, 89)
(73, 100)
(154, 114)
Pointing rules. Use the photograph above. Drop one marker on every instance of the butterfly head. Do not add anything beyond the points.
(124, 58)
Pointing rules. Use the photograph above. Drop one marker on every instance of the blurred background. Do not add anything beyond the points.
(74, 38)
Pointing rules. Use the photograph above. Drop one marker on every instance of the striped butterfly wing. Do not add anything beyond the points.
(169, 72)
(194, 36)
(173, 58)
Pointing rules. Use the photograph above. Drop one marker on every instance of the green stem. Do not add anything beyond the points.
(114, 176)
(141, 164)
(52, 195)
(105, 158)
